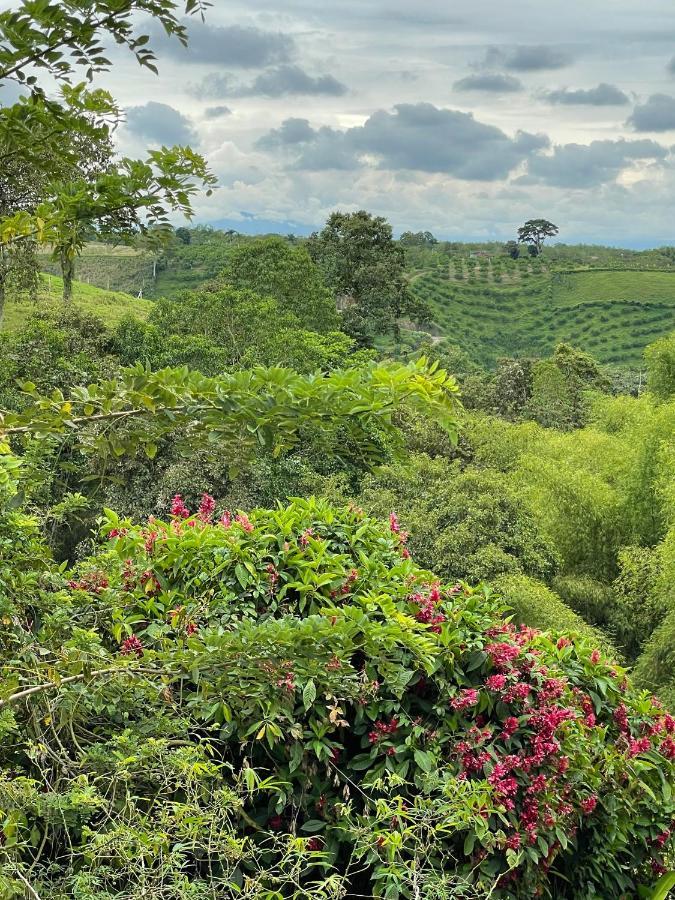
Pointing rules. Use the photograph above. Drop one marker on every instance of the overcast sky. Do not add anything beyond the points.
(462, 117)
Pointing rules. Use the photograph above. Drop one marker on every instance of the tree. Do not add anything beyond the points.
(660, 358)
(63, 206)
(535, 231)
(365, 268)
(183, 234)
(512, 249)
(273, 267)
(418, 239)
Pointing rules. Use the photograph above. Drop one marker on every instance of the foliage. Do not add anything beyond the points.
(660, 358)
(283, 698)
(467, 524)
(245, 329)
(271, 267)
(237, 412)
(364, 267)
(534, 232)
(538, 606)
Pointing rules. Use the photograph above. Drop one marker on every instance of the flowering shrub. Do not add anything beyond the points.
(256, 705)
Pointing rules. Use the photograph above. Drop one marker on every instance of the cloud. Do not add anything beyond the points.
(528, 58)
(489, 82)
(602, 95)
(161, 123)
(671, 66)
(589, 165)
(282, 81)
(655, 114)
(217, 112)
(289, 133)
(235, 46)
(285, 81)
(414, 136)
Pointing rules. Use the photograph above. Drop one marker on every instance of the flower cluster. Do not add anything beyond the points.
(383, 729)
(131, 646)
(91, 582)
(428, 611)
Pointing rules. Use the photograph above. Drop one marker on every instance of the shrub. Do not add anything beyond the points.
(536, 605)
(283, 703)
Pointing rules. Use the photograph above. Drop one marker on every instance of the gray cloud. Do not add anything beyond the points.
(602, 95)
(288, 80)
(655, 114)
(227, 45)
(282, 81)
(528, 58)
(290, 132)
(161, 123)
(671, 66)
(217, 112)
(588, 165)
(490, 82)
(415, 136)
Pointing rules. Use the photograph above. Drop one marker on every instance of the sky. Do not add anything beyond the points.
(463, 118)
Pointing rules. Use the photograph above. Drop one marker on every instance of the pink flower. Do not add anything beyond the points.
(638, 746)
(589, 804)
(206, 508)
(595, 657)
(393, 523)
(178, 508)
(130, 646)
(226, 519)
(243, 520)
(513, 842)
(495, 682)
(465, 699)
(502, 654)
(563, 642)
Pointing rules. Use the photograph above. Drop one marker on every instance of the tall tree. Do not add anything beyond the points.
(273, 267)
(365, 268)
(73, 188)
(535, 231)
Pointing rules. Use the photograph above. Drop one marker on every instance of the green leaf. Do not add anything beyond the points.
(309, 694)
(424, 760)
(663, 887)
(313, 825)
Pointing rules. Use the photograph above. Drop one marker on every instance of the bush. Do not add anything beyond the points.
(285, 702)
(536, 605)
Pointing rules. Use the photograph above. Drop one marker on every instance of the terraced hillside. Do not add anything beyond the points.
(110, 306)
(521, 309)
(111, 268)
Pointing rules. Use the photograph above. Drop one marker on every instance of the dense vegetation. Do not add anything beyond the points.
(281, 617)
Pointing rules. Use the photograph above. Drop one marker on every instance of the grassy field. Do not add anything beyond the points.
(110, 306)
(525, 309)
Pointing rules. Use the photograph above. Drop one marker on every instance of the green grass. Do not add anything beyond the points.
(110, 306)
(612, 315)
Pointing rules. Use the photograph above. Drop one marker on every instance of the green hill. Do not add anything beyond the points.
(495, 309)
(110, 306)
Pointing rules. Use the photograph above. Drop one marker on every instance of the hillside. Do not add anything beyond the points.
(110, 306)
(510, 309)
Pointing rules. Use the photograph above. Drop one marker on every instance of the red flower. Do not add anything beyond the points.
(563, 642)
(206, 508)
(595, 657)
(465, 699)
(178, 508)
(502, 654)
(226, 519)
(393, 523)
(513, 842)
(314, 843)
(275, 823)
(130, 646)
(589, 804)
(495, 682)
